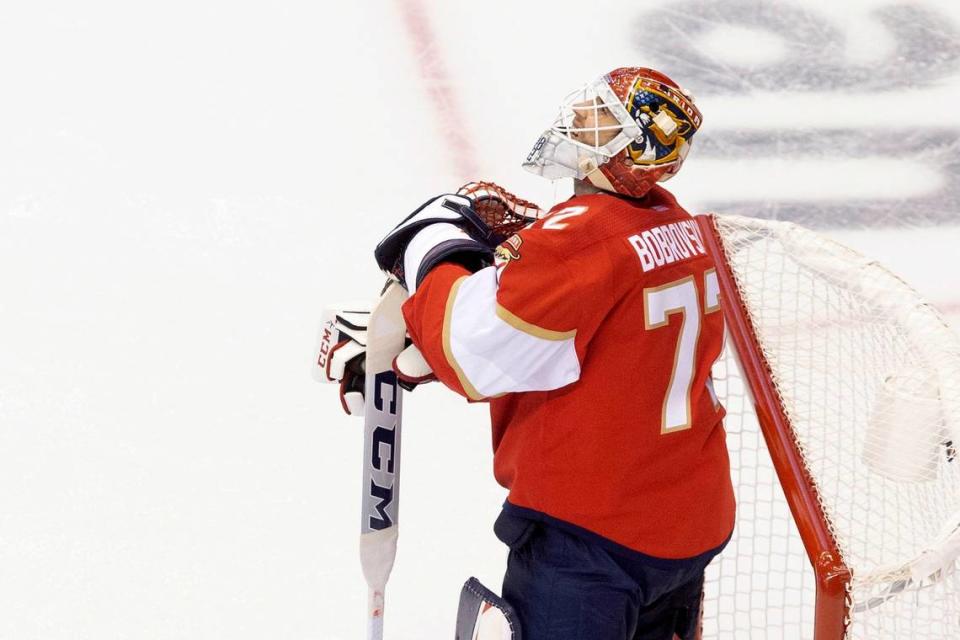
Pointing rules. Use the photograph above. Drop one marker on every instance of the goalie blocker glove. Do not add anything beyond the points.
(341, 353)
(443, 229)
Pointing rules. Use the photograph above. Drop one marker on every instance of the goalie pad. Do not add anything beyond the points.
(483, 615)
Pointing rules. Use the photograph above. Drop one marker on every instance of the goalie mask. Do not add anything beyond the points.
(623, 133)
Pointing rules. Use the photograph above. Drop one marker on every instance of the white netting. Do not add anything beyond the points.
(869, 376)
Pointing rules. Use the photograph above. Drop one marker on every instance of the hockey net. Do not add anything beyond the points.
(842, 389)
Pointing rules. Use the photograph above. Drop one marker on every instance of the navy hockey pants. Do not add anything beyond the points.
(564, 587)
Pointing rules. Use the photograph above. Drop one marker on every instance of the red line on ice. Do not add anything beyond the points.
(449, 120)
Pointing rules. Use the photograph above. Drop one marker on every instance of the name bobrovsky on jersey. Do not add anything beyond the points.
(667, 244)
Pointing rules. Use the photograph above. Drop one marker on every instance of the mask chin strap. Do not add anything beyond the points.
(600, 181)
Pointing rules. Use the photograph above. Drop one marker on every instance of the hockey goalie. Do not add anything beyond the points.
(590, 330)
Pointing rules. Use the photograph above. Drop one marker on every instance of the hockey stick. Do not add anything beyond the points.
(379, 525)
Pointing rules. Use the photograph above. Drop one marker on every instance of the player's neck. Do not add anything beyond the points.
(584, 188)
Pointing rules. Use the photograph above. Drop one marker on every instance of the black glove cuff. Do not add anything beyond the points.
(390, 250)
(468, 253)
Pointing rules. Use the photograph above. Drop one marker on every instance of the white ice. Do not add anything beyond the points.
(185, 185)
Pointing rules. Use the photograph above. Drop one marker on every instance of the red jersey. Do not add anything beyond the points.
(593, 339)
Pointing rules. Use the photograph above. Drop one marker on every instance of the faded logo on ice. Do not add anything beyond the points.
(925, 50)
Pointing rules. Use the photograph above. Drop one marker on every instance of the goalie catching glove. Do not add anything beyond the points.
(443, 229)
(463, 228)
(342, 349)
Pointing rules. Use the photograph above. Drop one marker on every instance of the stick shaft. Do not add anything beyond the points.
(383, 407)
(375, 603)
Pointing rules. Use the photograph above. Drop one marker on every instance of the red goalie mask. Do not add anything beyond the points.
(623, 132)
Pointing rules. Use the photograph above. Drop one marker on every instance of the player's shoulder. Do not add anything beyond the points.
(568, 221)
(586, 220)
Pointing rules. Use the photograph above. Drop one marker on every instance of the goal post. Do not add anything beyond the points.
(800, 491)
(842, 389)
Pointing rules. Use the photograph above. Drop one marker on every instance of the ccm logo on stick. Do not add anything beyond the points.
(383, 444)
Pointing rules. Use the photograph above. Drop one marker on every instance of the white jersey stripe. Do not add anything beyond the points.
(468, 388)
(494, 352)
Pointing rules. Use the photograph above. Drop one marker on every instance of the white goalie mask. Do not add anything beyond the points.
(623, 133)
(591, 127)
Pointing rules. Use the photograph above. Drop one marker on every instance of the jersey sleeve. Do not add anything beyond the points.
(522, 325)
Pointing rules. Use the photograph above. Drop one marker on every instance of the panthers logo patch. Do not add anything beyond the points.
(506, 252)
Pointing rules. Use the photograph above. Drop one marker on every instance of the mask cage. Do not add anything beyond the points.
(578, 143)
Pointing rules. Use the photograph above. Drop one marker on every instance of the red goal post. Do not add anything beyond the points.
(842, 389)
(832, 576)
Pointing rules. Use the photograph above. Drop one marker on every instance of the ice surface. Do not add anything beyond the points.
(183, 187)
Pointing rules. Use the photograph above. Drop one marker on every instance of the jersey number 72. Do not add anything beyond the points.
(660, 304)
